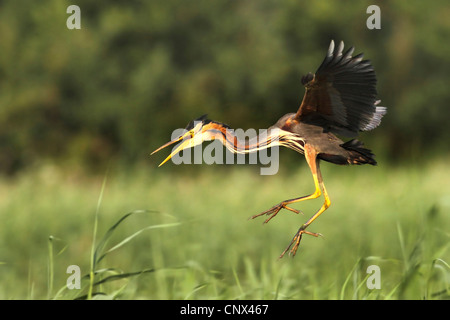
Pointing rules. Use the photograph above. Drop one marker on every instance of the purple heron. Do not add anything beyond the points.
(340, 99)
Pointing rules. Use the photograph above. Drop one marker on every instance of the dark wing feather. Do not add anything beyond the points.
(341, 95)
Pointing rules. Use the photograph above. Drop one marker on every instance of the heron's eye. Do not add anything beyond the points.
(191, 133)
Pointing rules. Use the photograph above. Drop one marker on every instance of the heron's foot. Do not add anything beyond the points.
(296, 240)
(274, 211)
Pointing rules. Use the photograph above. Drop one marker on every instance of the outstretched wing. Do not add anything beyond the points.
(341, 95)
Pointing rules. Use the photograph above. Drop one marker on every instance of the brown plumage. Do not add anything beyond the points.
(340, 99)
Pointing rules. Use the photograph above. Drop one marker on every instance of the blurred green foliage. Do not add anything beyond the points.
(137, 70)
(392, 217)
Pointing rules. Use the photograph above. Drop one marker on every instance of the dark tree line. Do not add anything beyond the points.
(136, 70)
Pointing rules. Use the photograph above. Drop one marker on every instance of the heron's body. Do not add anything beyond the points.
(327, 145)
(340, 99)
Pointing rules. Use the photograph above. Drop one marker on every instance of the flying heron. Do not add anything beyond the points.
(340, 99)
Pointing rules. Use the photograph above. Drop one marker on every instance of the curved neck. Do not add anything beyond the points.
(267, 139)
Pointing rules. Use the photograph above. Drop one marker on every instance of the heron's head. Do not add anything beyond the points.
(195, 133)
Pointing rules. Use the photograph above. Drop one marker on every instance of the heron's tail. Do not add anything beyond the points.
(358, 154)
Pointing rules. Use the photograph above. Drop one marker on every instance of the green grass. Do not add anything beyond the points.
(188, 235)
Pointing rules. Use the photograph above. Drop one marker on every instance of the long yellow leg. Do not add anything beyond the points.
(298, 236)
(311, 158)
(313, 162)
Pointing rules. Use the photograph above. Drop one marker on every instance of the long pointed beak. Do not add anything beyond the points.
(167, 144)
(186, 144)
